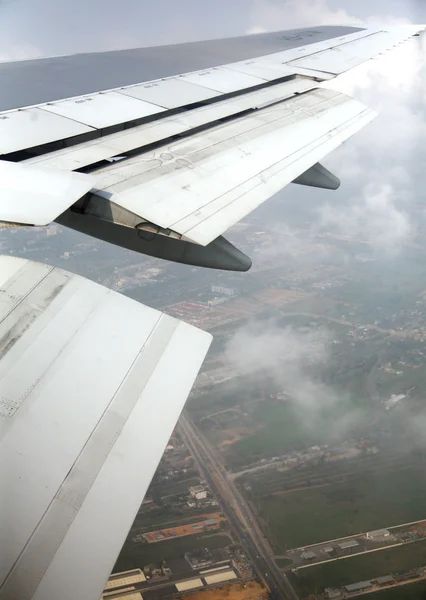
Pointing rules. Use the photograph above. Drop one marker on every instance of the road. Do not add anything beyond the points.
(237, 512)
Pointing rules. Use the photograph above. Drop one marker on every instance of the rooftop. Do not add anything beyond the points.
(361, 585)
(309, 554)
(348, 544)
(379, 533)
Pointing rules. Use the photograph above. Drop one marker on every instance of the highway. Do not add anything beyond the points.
(237, 511)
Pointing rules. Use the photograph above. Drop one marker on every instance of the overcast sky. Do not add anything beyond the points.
(31, 28)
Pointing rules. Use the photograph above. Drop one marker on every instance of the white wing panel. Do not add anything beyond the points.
(33, 127)
(170, 93)
(239, 202)
(222, 80)
(96, 150)
(322, 60)
(262, 69)
(339, 59)
(36, 195)
(214, 178)
(103, 110)
(92, 385)
(286, 56)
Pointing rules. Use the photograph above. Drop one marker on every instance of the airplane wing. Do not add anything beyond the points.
(174, 162)
(91, 386)
(92, 383)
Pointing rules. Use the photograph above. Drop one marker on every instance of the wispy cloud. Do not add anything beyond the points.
(373, 217)
(295, 361)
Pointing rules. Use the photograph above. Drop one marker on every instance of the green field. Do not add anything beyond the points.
(282, 426)
(413, 591)
(372, 501)
(134, 556)
(360, 568)
(179, 488)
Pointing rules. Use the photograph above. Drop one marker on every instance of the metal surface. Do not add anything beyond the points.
(217, 177)
(318, 176)
(262, 69)
(170, 93)
(84, 373)
(223, 80)
(36, 195)
(94, 151)
(33, 127)
(31, 82)
(219, 254)
(351, 54)
(111, 107)
(103, 110)
(292, 54)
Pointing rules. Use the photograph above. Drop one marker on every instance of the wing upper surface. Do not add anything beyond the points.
(191, 154)
(92, 384)
(65, 119)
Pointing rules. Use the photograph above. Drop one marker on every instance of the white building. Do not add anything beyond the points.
(198, 492)
(378, 534)
(216, 289)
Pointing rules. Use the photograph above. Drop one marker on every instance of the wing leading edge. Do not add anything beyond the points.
(92, 384)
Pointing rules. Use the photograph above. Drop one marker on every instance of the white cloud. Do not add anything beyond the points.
(379, 167)
(263, 349)
(294, 361)
(374, 217)
(287, 14)
(255, 29)
(21, 51)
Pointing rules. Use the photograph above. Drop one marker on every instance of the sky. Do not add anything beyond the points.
(34, 28)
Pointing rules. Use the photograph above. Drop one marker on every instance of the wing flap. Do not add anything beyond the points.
(36, 195)
(92, 386)
(201, 186)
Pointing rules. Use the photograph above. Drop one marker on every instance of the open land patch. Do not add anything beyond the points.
(136, 555)
(360, 568)
(372, 501)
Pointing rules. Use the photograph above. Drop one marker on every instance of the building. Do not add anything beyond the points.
(199, 559)
(189, 584)
(385, 580)
(378, 534)
(226, 567)
(198, 492)
(220, 577)
(210, 522)
(309, 555)
(216, 289)
(332, 593)
(358, 587)
(125, 582)
(328, 550)
(349, 545)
